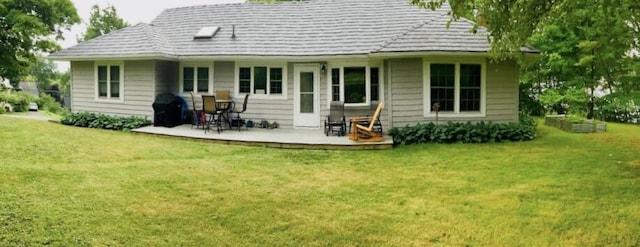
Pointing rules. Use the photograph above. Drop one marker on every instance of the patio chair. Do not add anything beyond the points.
(215, 115)
(237, 120)
(377, 126)
(198, 116)
(366, 133)
(223, 95)
(335, 122)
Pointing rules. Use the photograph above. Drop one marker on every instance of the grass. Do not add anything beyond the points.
(68, 186)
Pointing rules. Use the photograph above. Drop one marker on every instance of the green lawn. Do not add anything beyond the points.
(68, 186)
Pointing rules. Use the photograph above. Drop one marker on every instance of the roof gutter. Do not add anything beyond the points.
(157, 56)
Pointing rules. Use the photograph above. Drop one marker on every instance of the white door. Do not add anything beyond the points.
(306, 87)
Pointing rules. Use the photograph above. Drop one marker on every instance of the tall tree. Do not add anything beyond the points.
(585, 45)
(101, 22)
(30, 27)
(512, 22)
(43, 72)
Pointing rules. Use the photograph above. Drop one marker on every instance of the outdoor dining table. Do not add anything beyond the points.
(225, 105)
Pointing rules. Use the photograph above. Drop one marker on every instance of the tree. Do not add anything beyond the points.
(585, 46)
(30, 27)
(512, 22)
(43, 72)
(101, 22)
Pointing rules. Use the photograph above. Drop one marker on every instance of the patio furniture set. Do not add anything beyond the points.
(361, 128)
(215, 111)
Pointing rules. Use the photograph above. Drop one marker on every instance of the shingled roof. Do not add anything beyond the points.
(308, 28)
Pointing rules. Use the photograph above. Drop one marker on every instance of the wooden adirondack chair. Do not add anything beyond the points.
(362, 133)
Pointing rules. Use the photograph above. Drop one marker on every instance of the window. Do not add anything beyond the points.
(470, 87)
(458, 87)
(335, 84)
(443, 85)
(375, 84)
(196, 79)
(109, 79)
(355, 85)
(261, 80)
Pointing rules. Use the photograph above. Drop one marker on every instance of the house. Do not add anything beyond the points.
(294, 58)
(29, 87)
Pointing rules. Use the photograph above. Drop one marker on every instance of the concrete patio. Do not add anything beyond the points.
(277, 138)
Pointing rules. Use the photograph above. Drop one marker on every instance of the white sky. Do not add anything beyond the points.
(132, 11)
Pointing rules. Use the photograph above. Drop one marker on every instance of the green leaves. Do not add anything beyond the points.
(102, 21)
(28, 27)
(101, 121)
(466, 132)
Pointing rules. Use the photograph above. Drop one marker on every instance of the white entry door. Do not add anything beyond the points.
(306, 87)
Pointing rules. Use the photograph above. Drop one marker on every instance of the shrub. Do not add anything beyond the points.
(101, 121)
(468, 132)
(19, 100)
(48, 103)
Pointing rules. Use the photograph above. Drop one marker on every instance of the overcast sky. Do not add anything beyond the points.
(132, 11)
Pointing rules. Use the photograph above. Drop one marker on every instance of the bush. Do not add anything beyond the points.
(101, 121)
(468, 132)
(48, 103)
(19, 100)
(619, 108)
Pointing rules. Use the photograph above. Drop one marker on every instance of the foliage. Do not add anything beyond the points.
(512, 22)
(101, 121)
(465, 132)
(30, 27)
(101, 22)
(528, 101)
(48, 103)
(43, 72)
(620, 108)
(19, 100)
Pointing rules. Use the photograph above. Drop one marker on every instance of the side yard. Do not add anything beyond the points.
(67, 186)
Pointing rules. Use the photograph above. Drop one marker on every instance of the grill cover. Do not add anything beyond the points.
(167, 110)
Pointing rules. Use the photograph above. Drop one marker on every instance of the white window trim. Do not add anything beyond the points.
(363, 63)
(456, 105)
(269, 65)
(195, 74)
(119, 99)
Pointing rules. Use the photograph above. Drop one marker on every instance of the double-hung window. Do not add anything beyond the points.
(261, 80)
(196, 78)
(457, 87)
(355, 85)
(109, 81)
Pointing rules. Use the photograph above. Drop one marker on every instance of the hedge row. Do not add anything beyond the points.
(101, 121)
(468, 132)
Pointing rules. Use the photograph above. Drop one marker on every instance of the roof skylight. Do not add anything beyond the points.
(206, 33)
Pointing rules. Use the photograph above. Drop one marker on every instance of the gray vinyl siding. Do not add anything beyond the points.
(279, 110)
(138, 90)
(407, 99)
(406, 91)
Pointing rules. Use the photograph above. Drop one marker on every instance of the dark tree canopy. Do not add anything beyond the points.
(30, 27)
(101, 22)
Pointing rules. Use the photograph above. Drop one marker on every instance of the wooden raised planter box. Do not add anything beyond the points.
(587, 126)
